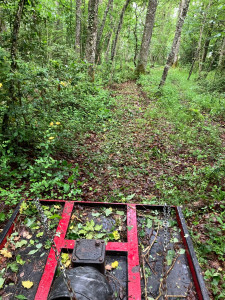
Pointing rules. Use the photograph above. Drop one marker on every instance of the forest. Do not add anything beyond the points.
(117, 101)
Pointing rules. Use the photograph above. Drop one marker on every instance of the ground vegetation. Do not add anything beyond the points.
(81, 120)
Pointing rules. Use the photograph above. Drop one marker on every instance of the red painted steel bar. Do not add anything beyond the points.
(110, 246)
(134, 280)
(51, 264)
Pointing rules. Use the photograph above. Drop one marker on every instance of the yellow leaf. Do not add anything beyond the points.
(115, 264)
(51, 138)
(63, 83)
(116, 235)
(6, 253)
(57, 123)
(57, 206)
(0, 85)
(66, 259)
(27, 284)
(51, 124)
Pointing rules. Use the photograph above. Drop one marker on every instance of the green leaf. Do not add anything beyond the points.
(108, 211)
(21, 297)
(170, 256)
(71, 179)
(20, 244)
(2, 217)
(19, 260)
(55, 216)
(129, 197)
(129, 227)
(66, 187)
(99, 235)
(32, 252)
(30, 221)
(96, 214)
(120, 212)
(38, 246)
(2, 280)
(13, 266)
(40, 234)
(98, 227)
(149, 223)
(181, 251)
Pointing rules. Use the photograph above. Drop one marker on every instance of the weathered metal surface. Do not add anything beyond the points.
(127, 249)
(91, 253)
(51, 264)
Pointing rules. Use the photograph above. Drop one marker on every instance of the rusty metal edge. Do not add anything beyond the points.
(9, 226)
(197, 269)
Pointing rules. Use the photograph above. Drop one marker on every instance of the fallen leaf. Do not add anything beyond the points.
(21, 274)
(115, 264)
(108, 267)
(6, 253)
(116, 235)
(27, 284)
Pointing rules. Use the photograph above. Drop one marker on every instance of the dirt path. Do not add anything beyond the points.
(130, 158)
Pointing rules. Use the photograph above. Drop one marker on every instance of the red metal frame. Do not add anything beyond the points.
(129, 248)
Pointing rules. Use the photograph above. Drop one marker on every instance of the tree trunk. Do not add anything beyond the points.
(222, 53)
(78, 28)
(91, 36)
(13, 52)
(176, 56)
(2, 21)
(136, 37)
(197, 52)
(100, 32)
(179, 26)
(114, 44)
(147, 35)
(207, 42)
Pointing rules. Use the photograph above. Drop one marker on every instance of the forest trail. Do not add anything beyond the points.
(131, 157)
(115, 164)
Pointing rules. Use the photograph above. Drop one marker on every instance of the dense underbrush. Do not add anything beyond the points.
(54, 103)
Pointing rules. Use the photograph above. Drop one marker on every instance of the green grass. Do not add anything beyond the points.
(189, 118)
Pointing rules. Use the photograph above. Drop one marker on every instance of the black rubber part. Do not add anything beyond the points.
(87, 283)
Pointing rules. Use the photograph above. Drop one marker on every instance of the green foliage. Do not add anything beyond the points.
(193, 117)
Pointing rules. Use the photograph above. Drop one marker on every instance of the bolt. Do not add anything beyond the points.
(102, 242)
(74, 258)
(77, 241)
(97, 243)
(100, 259)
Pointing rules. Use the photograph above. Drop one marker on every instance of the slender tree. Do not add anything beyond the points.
(147, 35)
(206, 45)
(135, 36)
(114, 44)
(78, 28)
(222, 53)
(179, 26)
(91, 36)
(100, 31)
(176, 56)
(197, 52)
(13, 53)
